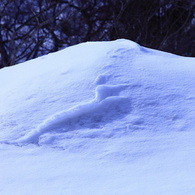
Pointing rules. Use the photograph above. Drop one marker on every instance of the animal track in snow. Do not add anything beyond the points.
(106, 107)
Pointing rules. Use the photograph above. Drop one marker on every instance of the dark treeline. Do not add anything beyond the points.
(31, 28)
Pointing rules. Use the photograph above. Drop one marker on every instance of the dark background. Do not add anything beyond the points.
(32, 28)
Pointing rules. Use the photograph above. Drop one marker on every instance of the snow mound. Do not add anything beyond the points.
(113, 88)
(110, 114)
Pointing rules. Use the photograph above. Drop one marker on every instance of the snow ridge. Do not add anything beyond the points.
(107, 106)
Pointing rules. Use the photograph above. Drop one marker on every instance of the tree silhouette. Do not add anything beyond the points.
(29, 29)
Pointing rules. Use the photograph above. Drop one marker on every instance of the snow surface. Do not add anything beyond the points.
(98, 118)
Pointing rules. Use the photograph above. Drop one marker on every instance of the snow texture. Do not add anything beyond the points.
(105, 107)
(98, 118)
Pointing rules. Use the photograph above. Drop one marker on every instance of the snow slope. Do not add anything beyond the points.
(101, 118)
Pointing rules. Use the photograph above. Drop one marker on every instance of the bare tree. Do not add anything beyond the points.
(167, 25)
(29, 29)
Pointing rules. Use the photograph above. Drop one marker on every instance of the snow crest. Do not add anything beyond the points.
(108, 105)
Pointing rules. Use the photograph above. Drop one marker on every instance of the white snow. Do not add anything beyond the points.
(98, 118)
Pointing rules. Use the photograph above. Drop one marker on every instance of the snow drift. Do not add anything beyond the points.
(126, 85)
(98, 118)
